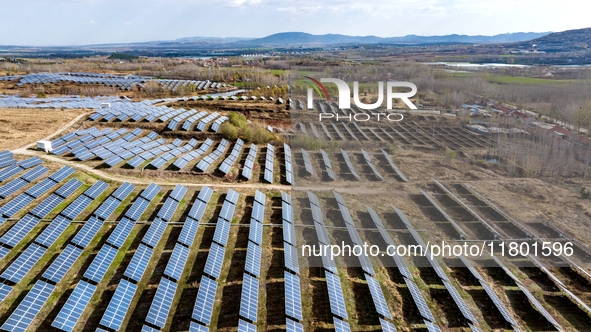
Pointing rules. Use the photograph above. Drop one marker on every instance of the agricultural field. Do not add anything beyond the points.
(193, 214)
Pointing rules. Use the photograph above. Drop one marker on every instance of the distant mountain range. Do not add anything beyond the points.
(295, 39)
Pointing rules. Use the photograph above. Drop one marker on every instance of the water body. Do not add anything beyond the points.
(477, 65)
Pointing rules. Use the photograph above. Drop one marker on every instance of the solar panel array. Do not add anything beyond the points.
(269, 157)
(204, 163)
(33, 253)
(18, 203)
(491, 294)
(173, 153)
(24, 180)
(350, 165)
(177, 119)
(188, 124)
(416, 294)
(249, 163)
(369, 273)
(222, 228)
(231, 159)
(288, 164)
(206, 120)
(6, 159)
(335, 292)
(328, 165)
(64, 102)
(398, 172)
(371, 165)
(204, 303)
(71, 312)
(307, 164)
(184, 160)
(218, 122)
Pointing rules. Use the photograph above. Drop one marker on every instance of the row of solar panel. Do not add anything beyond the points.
(288, 164)
(269, 158)
(231, 159)
(333, 283)
(204, 163)
(371, 165)
(203, 308)
(162, 160)
(184, 160)
(249, 163)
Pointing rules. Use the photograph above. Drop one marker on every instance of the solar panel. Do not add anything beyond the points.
(387, 326)
(139, 262)
(293, 326)
(154, 233)
(161, 303)
(9, 172)
(203, 308)
(107, 208)
(188, 232)
(151, 191)
(40, 188)
(28, 163)
(307, 163)
(52, 232)
(100, 264)
(12, 187)
(258, 211)
(253, 259)
(289, 233)
(432, 327)
(340, 325)
(498, 303)
(96, 189)
(232, 196)
(249, 300)
(293, 298)
(137, 209)
(287, 213)
(3, 252)
(17, 270)
(177, 261)
(87, 232)
(15, 205)
(195, 327)
(69, 188)
(419, 300)
(321, 233)
(4, 291)
(76, 207)
(215, 258)
(178, 193)
(62, 264)
(460, 302)
(197, 210)
(123, 191)
(256, 232)
(244, 326)
(286, 198)
(29, 307)
(335, 295)
(378, 297)
(205, 194)
(121, 232)
(71, 311)
(291, 258)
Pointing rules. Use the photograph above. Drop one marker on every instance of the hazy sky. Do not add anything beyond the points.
(76, 22)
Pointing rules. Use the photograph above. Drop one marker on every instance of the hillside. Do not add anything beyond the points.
(565, 41)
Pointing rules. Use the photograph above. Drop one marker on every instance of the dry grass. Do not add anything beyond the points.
(19, 127)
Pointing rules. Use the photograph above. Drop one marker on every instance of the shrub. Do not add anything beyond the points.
(585, 194)
(228, 131)
(41, 95)
(237, 119)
